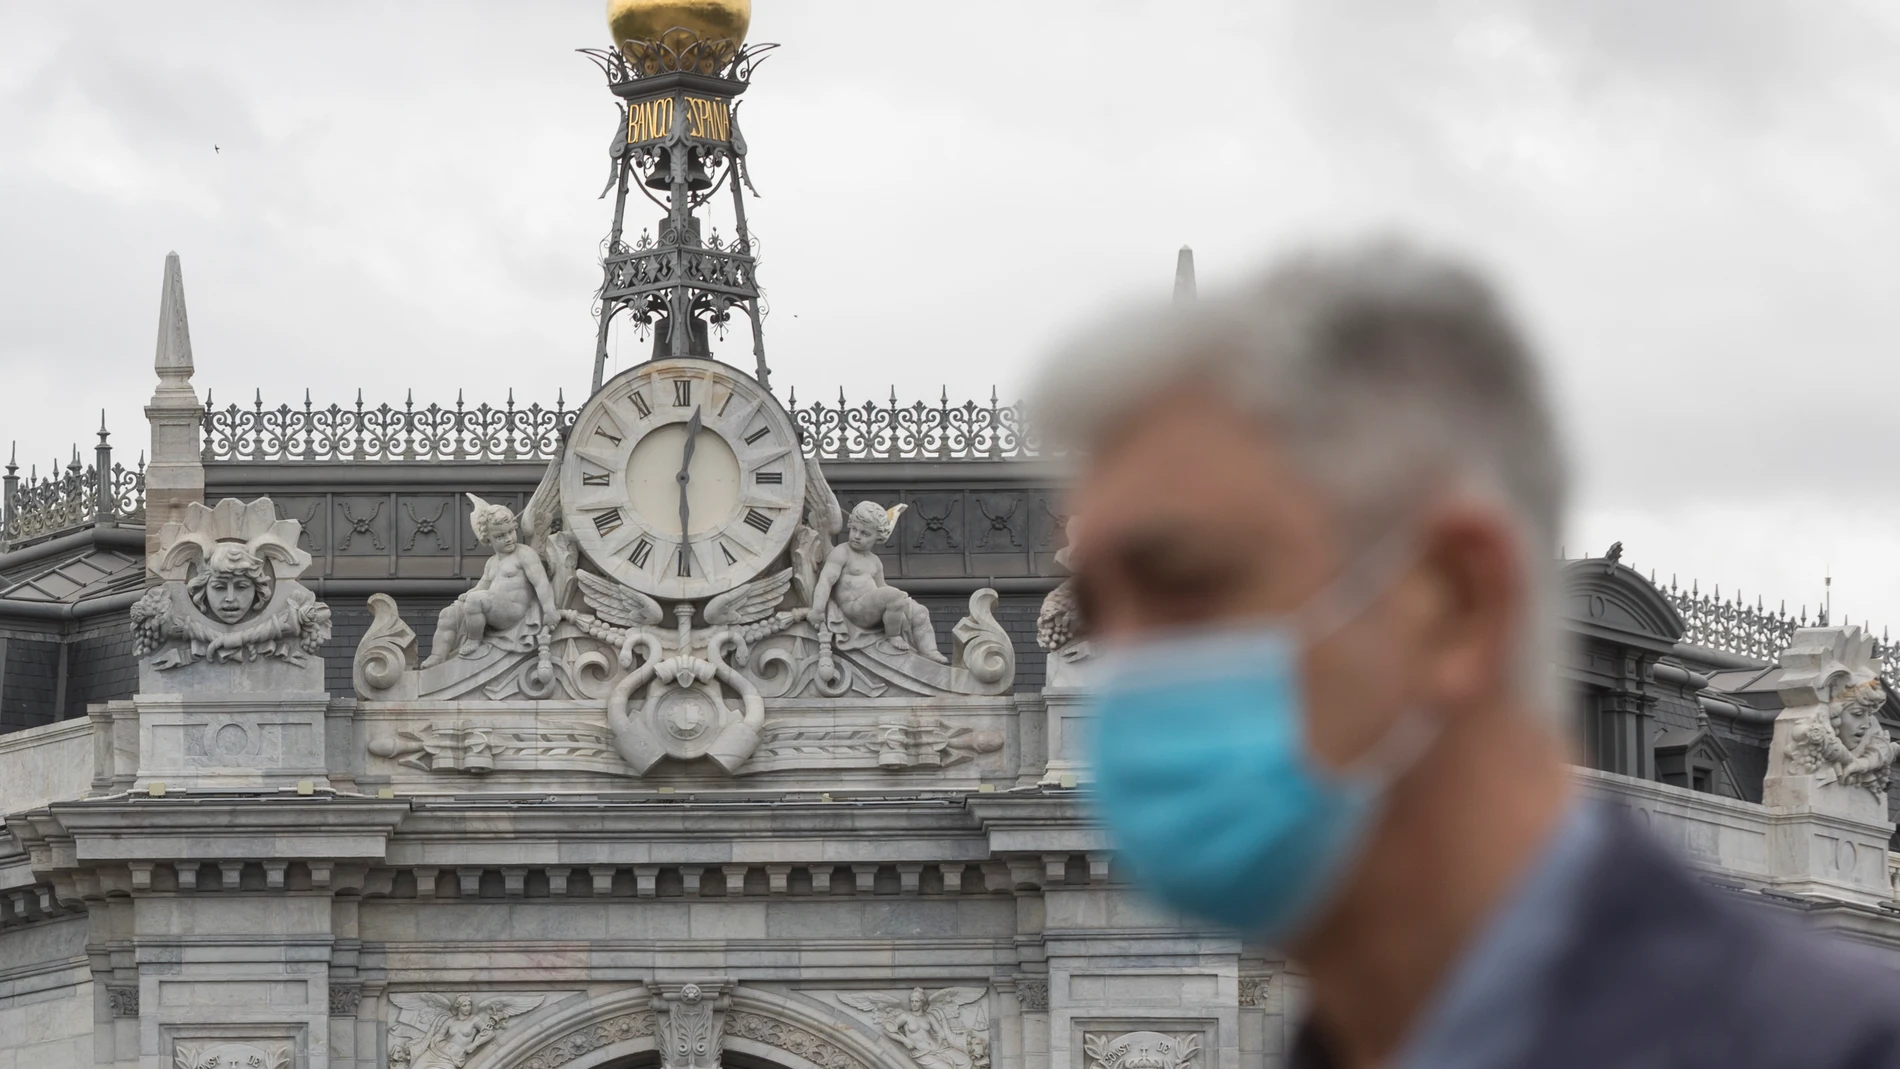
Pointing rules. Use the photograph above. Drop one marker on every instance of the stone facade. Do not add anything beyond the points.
(450, 749)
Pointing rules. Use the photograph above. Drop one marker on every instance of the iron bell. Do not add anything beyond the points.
(661, 177)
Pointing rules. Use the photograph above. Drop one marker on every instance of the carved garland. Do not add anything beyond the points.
(591, 1037)
(790, 1039)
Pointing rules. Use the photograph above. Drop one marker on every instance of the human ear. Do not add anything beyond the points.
(1474, 568)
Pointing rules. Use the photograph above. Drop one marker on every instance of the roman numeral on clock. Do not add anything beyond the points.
(753, 438)
(602, 431)
(768, 478)
(758, 520)
(682, 392)
(642, 553)
(591, 479)
(607, 522)
(726, 552)
(686, 564)
(640, 403)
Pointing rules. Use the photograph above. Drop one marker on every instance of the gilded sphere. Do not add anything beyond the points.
(709, 20)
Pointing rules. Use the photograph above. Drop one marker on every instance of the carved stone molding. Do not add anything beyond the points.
(788, 1038)
(344, 999)
(946, 1029)
(1032, 993)
(123, 1000)
(1142, 1050)
(591, 1037)
(232, 1055)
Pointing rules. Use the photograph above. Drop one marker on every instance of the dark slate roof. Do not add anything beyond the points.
(90, 572)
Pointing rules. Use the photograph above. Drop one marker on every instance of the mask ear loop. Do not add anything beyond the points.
(1341, 602)
(1354, 590)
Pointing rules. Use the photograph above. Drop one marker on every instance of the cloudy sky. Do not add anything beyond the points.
(1694, 202)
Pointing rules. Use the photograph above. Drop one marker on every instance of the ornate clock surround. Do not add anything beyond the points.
(606, 470)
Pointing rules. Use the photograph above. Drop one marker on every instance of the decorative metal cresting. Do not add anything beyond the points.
(70, 496)
(677, 142)
(1733, 625)
(918, 431)
(406, 432)
(384, 432)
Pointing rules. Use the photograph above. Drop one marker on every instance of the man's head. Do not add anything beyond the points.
(1243, 453)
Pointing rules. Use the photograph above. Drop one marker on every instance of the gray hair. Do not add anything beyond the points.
(1386, 370)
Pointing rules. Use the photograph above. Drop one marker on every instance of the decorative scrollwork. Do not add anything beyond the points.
(918, 431)
(678, 50)
(69, 497)
(360, 433)
(591, 1037)
(791, 1039)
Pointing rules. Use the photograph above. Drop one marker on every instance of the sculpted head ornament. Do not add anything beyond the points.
(494, 525)
(232, 583)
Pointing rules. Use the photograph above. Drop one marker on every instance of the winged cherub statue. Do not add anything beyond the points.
(853, 580)
(511, 604)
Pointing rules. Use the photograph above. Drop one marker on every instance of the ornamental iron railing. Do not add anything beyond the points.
(70, 496)
(395, 433)
(1732, 625)
(918, 431)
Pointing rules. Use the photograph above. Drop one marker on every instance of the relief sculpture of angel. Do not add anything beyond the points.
(433, 1031)
(945, 1030)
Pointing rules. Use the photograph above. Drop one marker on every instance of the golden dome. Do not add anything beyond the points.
(709, 20)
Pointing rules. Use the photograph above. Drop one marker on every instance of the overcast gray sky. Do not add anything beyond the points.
(1693, 202)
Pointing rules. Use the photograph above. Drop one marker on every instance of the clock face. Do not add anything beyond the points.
(628, 476)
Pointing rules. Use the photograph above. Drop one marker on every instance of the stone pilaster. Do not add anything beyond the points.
(175, 477)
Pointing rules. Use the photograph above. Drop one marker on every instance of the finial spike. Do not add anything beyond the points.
(1185, 288)
(173, 358)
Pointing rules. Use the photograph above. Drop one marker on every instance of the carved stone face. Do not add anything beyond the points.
(232, 584)
(916, 1000)
(863, 534)
(503, 538)
(1857, 719)
(465, 1007)
(230, 597)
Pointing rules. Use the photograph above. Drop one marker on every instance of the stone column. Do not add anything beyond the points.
(1828, 768)
(175, 477)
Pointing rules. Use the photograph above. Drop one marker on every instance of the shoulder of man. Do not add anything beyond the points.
(1665, 969)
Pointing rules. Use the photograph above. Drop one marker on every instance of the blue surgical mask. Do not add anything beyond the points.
(1206, 784)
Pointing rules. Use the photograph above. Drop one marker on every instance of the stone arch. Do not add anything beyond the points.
(621, 1024)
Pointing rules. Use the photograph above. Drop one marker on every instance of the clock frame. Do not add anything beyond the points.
(604, 471)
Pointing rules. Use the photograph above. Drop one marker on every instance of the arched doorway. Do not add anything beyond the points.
(619, 1030)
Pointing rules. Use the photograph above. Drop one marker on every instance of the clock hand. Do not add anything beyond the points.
(686, 474)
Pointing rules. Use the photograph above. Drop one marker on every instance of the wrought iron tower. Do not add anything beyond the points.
(678, 144)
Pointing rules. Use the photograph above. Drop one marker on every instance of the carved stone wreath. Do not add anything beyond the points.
(232, 1056)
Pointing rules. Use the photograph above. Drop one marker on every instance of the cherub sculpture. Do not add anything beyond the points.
(512, 606)
(946, 1030)
(229, 593)
(441, 1032)
(853, 580)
